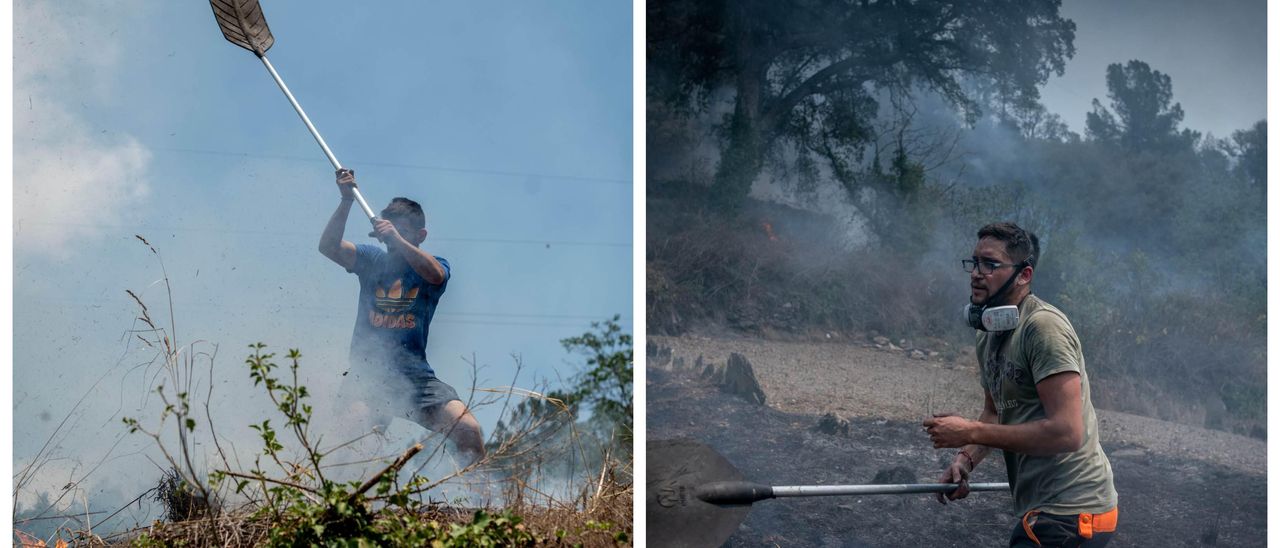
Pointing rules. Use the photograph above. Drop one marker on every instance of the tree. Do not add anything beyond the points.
(605, 386)
(1250, 148)
(1035, 122)
(905, 220)
(1143, 119)
(544, 434)
(809, 73)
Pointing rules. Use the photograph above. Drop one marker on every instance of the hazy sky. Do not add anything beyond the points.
(510, 122)
(1214, 53)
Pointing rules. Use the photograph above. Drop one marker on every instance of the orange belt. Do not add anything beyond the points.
(1086, 525)
(1100, 523)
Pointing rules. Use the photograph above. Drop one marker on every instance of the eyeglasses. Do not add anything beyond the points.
(984, 266)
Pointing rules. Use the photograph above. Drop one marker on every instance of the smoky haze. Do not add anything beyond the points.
(1150, 207)
(180, 137)
(1130, 137)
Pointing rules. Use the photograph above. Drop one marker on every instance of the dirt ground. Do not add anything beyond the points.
(1178, 485)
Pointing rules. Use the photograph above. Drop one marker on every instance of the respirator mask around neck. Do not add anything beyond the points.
(994, 318)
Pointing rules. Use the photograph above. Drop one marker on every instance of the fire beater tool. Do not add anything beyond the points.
(243, 24)
(696, 498)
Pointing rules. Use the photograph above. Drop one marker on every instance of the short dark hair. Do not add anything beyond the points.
(406, 209)
(1021, 244)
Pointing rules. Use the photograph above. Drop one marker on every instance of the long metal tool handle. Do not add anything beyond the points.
(364, 206)
(886, 489)
(745, 492)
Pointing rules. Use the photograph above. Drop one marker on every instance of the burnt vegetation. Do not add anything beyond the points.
(892, 131)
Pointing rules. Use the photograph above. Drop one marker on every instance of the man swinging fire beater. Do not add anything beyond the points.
(1037, 407)
(399, 289)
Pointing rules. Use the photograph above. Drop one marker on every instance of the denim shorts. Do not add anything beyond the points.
(416, 390)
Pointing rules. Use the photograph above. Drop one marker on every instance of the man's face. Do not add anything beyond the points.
(981, 286)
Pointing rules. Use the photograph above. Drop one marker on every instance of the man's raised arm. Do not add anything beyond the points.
(332, 245)
(422, 262)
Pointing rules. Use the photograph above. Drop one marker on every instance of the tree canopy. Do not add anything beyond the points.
(546, 433)
(1141, 116)
(605, 385)
(1251, 147)
(811, 73)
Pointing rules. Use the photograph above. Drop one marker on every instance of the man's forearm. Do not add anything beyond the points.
(977, 452)
(331, 238)
(1037, 438)
(424, 264)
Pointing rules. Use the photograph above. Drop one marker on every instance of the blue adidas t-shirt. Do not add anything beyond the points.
(396, 306)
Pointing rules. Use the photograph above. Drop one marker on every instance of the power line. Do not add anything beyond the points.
(330, 312)
(153, 229)
(502, 173)
(517, 324)
(509, 315)
(547, 243)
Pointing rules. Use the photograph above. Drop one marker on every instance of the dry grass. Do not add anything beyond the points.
(608, 512)
(599, 515)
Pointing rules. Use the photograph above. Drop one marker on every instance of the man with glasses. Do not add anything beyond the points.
(1037, 409)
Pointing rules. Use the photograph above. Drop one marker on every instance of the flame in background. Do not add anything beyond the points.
(768, 229)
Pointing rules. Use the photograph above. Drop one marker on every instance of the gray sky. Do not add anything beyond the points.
(1214, 52)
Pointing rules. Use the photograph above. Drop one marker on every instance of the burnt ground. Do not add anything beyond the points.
(1166, 499)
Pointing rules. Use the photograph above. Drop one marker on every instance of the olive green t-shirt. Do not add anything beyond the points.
(1043, 344)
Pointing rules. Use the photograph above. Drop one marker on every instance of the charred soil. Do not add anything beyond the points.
(1178, 485)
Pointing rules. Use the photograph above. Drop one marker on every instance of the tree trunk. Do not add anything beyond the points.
(742, 158)
(740, 161)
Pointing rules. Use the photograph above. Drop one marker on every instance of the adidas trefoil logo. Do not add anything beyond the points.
(395, 299)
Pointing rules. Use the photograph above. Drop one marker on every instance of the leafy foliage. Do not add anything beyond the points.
(306, 509)
(606, 385)
(547, 437)
(809, 73)
(1143, 117)
(1250, 146)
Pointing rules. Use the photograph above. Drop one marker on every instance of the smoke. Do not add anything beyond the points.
(92, 460)
(686, 148)
(94, 98)
(1130, 239)
(229, 289)
(92, 463)
(67, 175)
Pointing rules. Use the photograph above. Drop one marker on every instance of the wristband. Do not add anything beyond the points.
(967, 456)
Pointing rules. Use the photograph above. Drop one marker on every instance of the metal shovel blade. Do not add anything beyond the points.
(243, 24)
(674, 515)
(696, 498)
